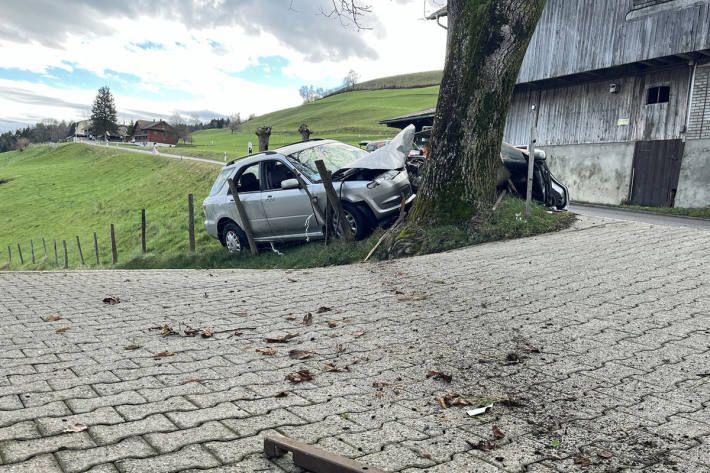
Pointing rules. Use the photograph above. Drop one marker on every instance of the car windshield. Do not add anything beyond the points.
(334, 156)
(221, 179)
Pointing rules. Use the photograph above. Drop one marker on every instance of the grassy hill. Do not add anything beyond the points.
(63, 191)
(403, 81)
(349, 117)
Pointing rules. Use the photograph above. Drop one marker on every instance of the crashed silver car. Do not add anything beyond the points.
(370, 187)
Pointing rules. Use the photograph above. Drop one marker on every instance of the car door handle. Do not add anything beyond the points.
(269, 197)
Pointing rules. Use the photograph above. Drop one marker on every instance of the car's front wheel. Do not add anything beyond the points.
(234, 238)
(360, 225)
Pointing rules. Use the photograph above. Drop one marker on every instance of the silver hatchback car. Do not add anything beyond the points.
(280, 210)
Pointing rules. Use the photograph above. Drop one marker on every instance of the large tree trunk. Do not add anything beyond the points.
(487, 40)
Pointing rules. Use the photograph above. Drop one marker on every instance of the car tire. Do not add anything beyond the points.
(359, 223)
(234, 239)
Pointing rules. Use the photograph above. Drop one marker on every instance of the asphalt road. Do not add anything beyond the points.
(643, 217)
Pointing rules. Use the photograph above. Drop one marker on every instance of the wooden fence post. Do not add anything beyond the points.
(243, 216)
(9, 254)
(334, 200)
(66, 254)
(96, 250)
(56, 256)
(191, 222)
(19, 250)
(32, 250)
(81, 255)
(114, 252)
(44, 246)
(143, 247)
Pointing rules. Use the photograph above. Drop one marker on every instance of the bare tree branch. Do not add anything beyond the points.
(349, 12)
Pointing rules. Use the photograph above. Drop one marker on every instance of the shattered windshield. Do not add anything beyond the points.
(334, 156)
(221, 179)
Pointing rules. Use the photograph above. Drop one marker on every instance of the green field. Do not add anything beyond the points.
(403, 81)
(59, 192)
(349, 117)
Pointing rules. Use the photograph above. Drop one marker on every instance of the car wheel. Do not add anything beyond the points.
(359, 223)
(234, 239)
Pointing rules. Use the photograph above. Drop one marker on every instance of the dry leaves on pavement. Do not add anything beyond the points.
(497, 433)
(412, 297)
(358, 334)
(53, 318)
(283, 338)
(322, 309)
(111, 300)
(131, 347)
(266, 351)
(330, 367)
(582, 461)
(281, 394)
(300, 376)
(195, 380)
(207, 333)
(75, 428)
(300, 354)
(332, 323)
(163, 354)
(62, 330)
(438, 375)
(454, 399)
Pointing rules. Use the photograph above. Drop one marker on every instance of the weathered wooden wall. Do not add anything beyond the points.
(589, 113)
(575, 36)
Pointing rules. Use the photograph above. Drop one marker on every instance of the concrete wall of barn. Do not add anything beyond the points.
(694, 182)
(599, 173)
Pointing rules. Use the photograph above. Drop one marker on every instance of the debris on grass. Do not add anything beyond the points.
(300, 376)
(111, 300)
(283, 338)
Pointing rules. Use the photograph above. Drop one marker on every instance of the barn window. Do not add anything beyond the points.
(658, 95)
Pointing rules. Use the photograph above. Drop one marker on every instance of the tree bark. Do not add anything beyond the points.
(263, 132)
(487, 41)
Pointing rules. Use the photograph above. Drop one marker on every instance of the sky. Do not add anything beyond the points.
(198, 59)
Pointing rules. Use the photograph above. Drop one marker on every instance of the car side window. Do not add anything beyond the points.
(276, 172)
(249, 179)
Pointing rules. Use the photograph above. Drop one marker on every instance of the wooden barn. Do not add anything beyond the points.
(145, 131)
(621, 101)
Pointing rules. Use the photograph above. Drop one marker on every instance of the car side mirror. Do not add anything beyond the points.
(289, 184)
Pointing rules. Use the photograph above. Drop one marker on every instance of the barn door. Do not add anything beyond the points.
(656, 170)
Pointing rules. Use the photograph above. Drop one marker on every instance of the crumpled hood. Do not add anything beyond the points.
(391, 156)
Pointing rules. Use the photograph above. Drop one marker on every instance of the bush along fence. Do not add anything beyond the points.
(60, 256)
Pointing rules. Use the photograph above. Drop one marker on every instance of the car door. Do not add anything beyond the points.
(248, 181)
(288, 211)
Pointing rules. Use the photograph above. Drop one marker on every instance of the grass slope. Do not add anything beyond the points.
(63, 191)
(403, 81)
(349, 117)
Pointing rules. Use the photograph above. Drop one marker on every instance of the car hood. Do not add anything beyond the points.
(390, 156)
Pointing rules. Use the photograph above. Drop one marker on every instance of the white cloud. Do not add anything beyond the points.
(199, 62)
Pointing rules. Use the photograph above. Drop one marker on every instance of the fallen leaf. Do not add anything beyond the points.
(75, 428)
(62, 330)
(438, 281)
(330, 367)
(332, 324)
(380, 384)
(238, 333)
(163, 354)
(582, 461)
(299, 376)
(358, 334)
(483, 445)
(497, 433)
(240, 314)
(291, 317)
(283, 338)
(165, 331)
(292, 280)
(438, 375)
(605, 454)
(131, 347)
(530, 349)
(266, 351)
(111, 300)
(443, 403)
(379, 394)
(300, 354)
(192, 332)
(424, 455)
(281, 394)
(340, 348)
(307, 319)
(195, 380)
(356, 360)
(53, 318)
(455, 399)
(412, 297)
(322, 309)
(207, 333)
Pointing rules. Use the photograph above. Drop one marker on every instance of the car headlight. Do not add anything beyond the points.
(387, 176)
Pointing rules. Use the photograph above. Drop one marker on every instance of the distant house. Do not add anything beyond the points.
(145, 131)
(82, 129)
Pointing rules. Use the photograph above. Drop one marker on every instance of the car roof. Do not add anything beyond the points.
(282, 151)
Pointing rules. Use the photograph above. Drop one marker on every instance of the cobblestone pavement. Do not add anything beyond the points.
(594, 344)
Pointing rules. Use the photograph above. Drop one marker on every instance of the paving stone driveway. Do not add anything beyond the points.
(594, 343)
